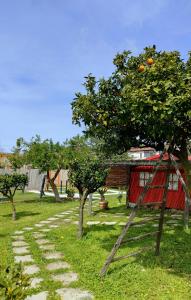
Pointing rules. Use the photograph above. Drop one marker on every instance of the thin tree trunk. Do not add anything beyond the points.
(54, 187)
(55, 191)
(83, 198)
(187, 171)
(13, 208)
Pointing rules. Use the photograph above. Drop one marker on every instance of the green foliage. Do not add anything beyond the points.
(45, 154)
(87, 171)
(13, 283)
(132, 108)
(70, 191)
(9, 183)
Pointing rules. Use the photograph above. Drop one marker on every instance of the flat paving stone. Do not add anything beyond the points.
(45, 230)
(57, 265)
(74, 294)
(93, 222)
(39, 296)
(24, 259)
(59, 216)
(109, 223)
(122, 223)
(38, 235)
(19, 243)
(42, 241)
(28, 228)
(47, 247)
(53, 226)
(65, 278)
(39, 225)
(52, 219)
(67, 220)
(53, 255)
(18, 237)
(19, 232)
(20, 250)
(35, 282)
(75, 222)
(45, 222)
(31, 269)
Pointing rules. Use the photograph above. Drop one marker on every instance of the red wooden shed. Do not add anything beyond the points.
(139, 176)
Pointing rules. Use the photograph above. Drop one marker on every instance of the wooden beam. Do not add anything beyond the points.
(131, 254)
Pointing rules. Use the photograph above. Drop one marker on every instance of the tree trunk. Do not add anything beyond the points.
(13, 208)
(83, 198)
(54, 187)
(187, 171)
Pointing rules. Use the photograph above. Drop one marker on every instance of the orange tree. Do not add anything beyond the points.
(145, 101)
(87, 171)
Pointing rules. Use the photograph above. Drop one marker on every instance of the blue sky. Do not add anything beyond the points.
(48, 46)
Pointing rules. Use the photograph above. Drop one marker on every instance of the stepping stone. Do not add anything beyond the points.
(52, 219)
(93, 222)
(39, 225)
(40, 296)
(19, 232)
(45, 222)
(35, 282)
(18, 237)
(20, 250)
(42, 242)
(19, 243)
(24, 258)
(53, 226)
(28, 228)
(53, 255)
(38, 235)
(120, 214)
(67, 220)
(74, 294)
(155, 225)
(75, 222)
(109, 223)
(47, 247)
(31, 269)
(59, 216)
(57, 265)
(172, 222)
(66, 278)
(66, 213)
(45, 230)
(122, 223)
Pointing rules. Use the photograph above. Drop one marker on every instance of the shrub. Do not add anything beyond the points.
(14, 284)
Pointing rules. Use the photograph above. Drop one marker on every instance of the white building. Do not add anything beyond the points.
(141, 153)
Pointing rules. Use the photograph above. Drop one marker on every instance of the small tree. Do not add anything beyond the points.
(8, 186)
(86, 172)
(46, 156)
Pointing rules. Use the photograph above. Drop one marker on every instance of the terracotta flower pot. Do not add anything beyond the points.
(103, 204)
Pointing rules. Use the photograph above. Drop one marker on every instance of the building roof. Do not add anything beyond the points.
(165, 157)
(134, 149)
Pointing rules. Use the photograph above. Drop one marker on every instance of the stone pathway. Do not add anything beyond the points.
(54, 260)
(57, 268)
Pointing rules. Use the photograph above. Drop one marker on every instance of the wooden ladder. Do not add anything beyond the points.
(111, 258)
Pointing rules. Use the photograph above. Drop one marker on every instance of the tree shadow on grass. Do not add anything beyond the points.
(21, 214)
(49, 200)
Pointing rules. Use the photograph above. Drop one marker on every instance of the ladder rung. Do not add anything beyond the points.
(156, 186)
(144, 221)
(139, 237)
(131, 254)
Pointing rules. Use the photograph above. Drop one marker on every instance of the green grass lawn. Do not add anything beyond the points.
(143, 277)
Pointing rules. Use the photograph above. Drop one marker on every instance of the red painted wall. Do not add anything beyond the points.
(175, 199)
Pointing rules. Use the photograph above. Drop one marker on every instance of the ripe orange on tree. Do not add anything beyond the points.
(150, 61)
(141, 68)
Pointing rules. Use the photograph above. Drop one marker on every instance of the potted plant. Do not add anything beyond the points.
(103, 203)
